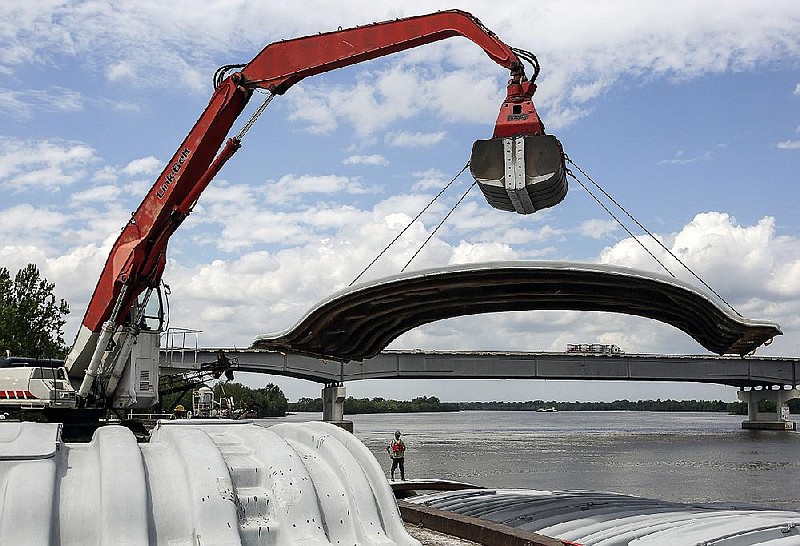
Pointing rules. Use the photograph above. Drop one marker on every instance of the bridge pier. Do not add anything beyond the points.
(768, 421)
(333, 396)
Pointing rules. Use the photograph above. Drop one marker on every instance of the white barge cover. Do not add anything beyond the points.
(593, 518)
(195, 483)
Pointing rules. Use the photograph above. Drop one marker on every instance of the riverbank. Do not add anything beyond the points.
(424, 404)
(681, 457)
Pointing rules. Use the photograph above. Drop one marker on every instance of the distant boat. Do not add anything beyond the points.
(547, 410)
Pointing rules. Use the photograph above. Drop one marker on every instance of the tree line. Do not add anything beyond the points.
(355, 406)
(267, 401)
(616, 405)
(735, 408)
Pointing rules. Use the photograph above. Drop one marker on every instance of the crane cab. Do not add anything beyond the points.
(134, 361)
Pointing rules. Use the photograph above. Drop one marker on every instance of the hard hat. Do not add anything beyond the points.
(179, 407)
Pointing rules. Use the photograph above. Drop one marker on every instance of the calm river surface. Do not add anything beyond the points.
(684, 457)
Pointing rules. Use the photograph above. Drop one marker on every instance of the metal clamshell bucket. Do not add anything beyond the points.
(520, 174)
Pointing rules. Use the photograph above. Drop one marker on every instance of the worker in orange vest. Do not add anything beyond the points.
(397, 452)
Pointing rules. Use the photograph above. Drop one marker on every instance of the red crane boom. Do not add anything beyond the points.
(136, 261)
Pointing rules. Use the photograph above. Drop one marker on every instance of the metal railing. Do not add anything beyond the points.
(180, 347)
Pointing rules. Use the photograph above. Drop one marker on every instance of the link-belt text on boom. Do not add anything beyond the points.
(172, 172)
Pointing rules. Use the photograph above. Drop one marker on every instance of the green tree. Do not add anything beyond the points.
(268, 401)
(306, 404)
(31, 318)
(272, 400)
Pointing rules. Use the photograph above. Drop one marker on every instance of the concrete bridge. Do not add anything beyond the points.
(758, 378)
(343, 338)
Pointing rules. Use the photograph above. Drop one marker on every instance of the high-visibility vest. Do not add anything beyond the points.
(397, 449)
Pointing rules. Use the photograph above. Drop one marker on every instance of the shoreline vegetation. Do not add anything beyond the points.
(269, 401)
(355, 406)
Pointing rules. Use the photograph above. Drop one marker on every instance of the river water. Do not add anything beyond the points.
(683, 457)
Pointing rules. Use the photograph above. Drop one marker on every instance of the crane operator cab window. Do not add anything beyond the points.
(153, 316)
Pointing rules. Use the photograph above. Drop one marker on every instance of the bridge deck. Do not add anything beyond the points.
(734, 371)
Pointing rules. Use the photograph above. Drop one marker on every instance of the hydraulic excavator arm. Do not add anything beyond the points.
(137, 259)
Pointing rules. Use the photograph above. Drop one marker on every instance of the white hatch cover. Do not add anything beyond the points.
(27, 441)
(196, 482)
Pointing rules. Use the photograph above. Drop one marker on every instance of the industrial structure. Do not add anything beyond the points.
(227, 482)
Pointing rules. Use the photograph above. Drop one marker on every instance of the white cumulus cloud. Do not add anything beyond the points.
(43, 164)
(143, 165)
(408, 139)
(373, 159)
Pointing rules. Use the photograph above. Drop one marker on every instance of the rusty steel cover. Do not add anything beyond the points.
(359, 322)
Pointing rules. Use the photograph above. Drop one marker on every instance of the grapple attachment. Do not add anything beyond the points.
(520, 174)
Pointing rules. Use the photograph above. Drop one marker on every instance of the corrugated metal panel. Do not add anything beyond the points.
(359, 322)
(611, 519)
(196, 482)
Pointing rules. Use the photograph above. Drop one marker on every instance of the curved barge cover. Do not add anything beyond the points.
(197, 482)
(594, 518)
(359, 322)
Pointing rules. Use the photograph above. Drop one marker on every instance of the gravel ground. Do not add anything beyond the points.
(432, 538)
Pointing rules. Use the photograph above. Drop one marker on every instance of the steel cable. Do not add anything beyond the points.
(440, 225)
(382, 252)
(648, 232)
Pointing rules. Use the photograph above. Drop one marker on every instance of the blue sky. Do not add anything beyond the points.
(687, 112)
